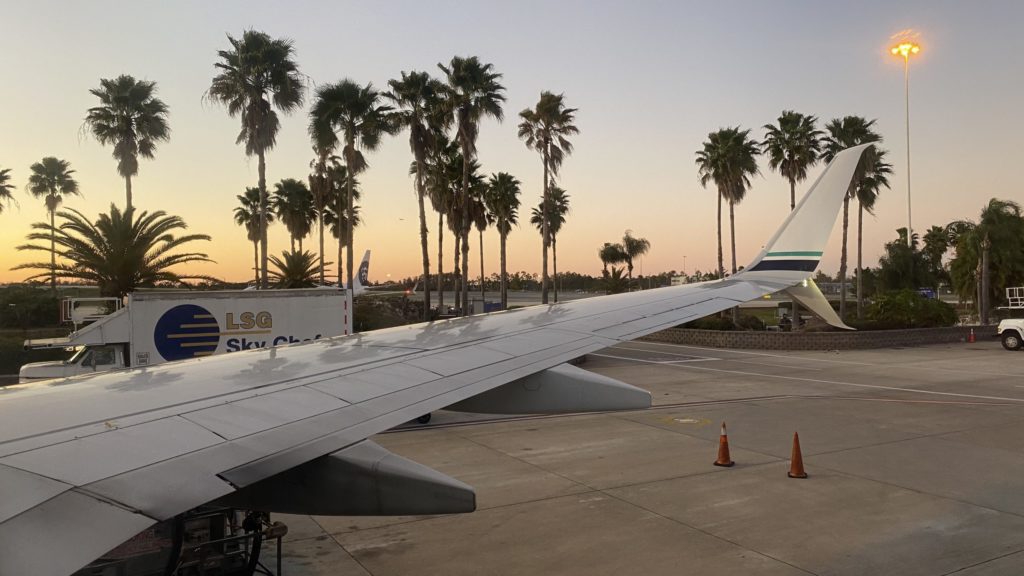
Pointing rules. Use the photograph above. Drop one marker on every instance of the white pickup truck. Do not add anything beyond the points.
(1011, 332)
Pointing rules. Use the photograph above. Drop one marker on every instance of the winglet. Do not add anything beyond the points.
(795, 249)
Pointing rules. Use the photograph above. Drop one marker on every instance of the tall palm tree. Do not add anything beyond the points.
(558, 208)
(472, 91)
(546, 128)
(120, 252)
(845, 133)
(729, 159)
(792, 147)
(52, 179)
(502, 200)
(444, 175)
(633, 248)
(319, 188)
(293, 204)
(6, 188)
(132, 120)
(611, 253)
(417, 97)
(258, 76)
(936, 244)
(990, 246)
(481, 220)
(875, 177)
(247, 214)
(336, 207)
(356, 113)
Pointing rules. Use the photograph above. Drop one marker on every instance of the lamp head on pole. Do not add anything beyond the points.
(905, 49)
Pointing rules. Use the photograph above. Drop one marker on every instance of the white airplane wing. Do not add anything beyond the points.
(87, 463)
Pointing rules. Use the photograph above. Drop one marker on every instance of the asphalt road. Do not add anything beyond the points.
(915, 458)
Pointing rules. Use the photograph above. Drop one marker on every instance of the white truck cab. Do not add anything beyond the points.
(86, 360)
(1011, 332)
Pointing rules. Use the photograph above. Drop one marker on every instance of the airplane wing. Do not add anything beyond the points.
(86, 463)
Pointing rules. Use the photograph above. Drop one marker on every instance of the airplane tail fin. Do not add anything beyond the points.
(794, 251)
(362, 276)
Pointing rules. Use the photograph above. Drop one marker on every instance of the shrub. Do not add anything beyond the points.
(908, 309)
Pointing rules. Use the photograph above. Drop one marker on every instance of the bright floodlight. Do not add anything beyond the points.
(905, 49)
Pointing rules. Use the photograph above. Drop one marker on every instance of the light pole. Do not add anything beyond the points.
(905, 49)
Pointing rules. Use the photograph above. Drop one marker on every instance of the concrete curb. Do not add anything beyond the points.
(757, 340)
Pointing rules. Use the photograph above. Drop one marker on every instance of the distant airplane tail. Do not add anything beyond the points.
(362, 278)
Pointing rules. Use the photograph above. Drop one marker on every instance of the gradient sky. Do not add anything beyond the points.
(650, 79)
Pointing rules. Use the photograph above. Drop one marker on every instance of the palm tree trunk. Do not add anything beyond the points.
(262, 167)
(504, 276)
(256, 261)
(544, 230)
(554, 265)
(423, 240)
(483, 293)
(860, 261)
(350, 212)
(320, 219)
(293, 243)
(732, 234)
(721, 263)
(465, 268)
(128, 191)
(732, 240)
(440, 262)
(300, 244)
(842, 258)
(795, 323)
(457, 276)
(53, 254)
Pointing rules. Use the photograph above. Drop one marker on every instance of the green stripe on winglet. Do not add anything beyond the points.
(794, 254)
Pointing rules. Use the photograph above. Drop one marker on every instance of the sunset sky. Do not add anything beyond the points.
(650, 80)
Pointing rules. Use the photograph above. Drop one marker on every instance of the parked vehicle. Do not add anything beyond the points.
(1011, 332)
(157, 327)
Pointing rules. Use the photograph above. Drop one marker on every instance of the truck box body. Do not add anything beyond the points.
(158, 327)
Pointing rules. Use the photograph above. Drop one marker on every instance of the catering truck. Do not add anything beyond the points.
(157, 327)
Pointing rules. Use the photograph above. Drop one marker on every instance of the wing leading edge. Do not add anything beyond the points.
(141, 446)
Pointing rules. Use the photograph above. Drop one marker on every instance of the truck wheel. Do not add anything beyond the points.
(1011, 340)
(426, 417)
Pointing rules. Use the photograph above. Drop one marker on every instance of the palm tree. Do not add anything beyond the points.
(336, 207)
(471, 93)
(295, 269)
(481, 220)
(875, 177)
(558, 208)
(632, 248)
(247, 214)
(293, 204)
(417, 97)
(120, 252)
(611, 254)
(845, 133)
(792, 147)
(52, 180)
(132, 120)
(729, 159)
(502, 200)
(319, 188)
(444, 172)
(6, 188)
(936, 243)
(354, 111)
(989, 246)
(256, 76)
(545, 129)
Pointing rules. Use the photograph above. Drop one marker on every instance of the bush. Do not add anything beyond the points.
(28, 307)
(908, 309)
(747, 322)
(714, 322)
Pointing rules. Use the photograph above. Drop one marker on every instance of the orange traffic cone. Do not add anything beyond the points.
(796, 465)
(723, 450)
(970, 337)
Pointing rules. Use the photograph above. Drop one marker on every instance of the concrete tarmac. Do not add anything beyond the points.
(915, 457)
